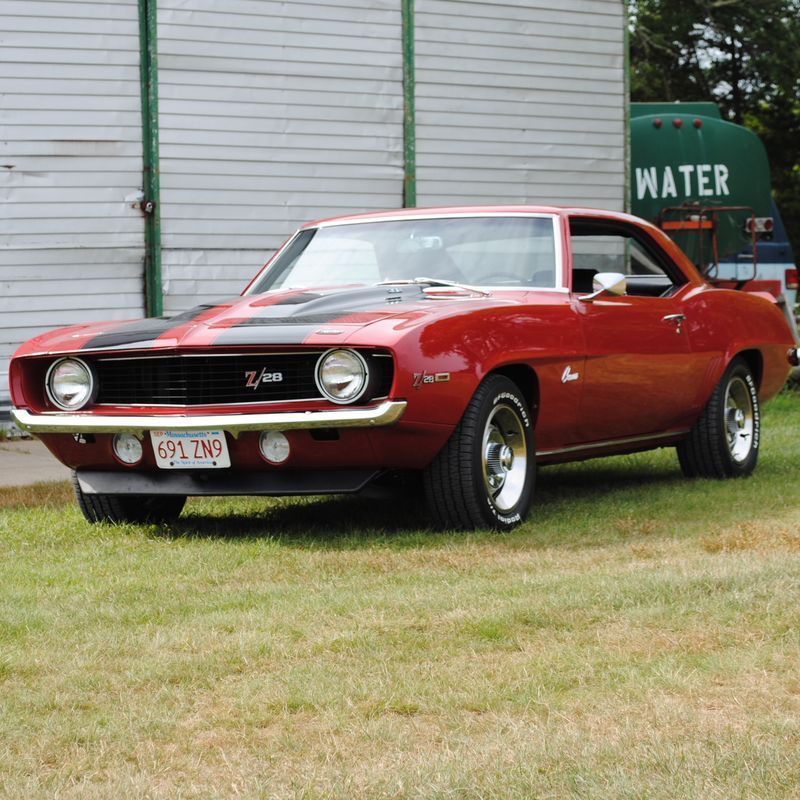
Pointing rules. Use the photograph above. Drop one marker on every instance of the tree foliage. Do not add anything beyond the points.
(745, 56)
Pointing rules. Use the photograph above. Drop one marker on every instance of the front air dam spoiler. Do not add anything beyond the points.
(211, 483)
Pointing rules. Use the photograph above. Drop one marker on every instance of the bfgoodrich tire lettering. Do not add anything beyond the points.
(118, 508)
(484, 476)
(725, 440)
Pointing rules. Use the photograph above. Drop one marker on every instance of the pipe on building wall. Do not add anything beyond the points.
(148, 71)
(409, 108)
(626, 83)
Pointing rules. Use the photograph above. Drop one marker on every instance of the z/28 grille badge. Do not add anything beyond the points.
(254, 379)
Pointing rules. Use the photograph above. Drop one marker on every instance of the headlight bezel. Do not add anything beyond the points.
(365, 381)
(91, 394)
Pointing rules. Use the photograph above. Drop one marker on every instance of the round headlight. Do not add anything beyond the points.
(342, 375)
(70, 383)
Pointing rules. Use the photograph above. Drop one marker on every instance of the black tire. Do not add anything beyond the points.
(724, 442)
(484, 476)
(121, 508)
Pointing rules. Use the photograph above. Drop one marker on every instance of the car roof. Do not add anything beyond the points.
(469, 211)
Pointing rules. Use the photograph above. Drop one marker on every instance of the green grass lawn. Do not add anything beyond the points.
(638, 638)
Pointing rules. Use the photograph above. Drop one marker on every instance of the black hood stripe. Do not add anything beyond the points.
(144, 331)
(298, 299)
(275, 332)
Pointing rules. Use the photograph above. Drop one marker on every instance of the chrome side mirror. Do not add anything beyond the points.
(611, 283)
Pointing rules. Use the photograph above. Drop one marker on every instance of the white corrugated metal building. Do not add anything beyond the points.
(270, 114)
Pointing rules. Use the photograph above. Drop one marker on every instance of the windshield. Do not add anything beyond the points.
(476, 251)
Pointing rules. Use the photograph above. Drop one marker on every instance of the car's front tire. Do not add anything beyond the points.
(724, 442)
(121, 508)
(484, 475)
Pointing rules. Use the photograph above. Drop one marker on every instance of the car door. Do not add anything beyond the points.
(640, 375)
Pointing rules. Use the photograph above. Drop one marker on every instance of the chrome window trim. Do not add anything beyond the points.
(254, 281)
(558, 244)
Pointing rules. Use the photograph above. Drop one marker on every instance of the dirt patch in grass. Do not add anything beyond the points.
(751, 536)
(40, 495)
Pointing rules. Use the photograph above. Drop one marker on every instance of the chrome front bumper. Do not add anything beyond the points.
(387, 413)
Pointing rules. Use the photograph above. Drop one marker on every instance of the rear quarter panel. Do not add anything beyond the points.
(724, 323)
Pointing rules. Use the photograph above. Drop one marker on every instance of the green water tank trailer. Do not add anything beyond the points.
(704, 180)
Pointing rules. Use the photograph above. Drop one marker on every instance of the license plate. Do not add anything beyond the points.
(190, 450)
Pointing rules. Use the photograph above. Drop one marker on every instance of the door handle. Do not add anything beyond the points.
(678, 319)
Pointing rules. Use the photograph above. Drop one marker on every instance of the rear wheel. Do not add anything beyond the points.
(725, 440)
(120, 508)
(484, 476)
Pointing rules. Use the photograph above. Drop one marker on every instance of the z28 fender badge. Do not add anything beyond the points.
(425, 377)
(567, 376)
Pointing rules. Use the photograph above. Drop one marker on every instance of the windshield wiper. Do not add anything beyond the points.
(433, 282)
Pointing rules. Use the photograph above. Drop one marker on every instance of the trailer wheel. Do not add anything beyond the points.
(121, 508)
(724, 442)
(484, 475)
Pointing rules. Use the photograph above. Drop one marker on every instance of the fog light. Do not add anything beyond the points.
(274, 446)
(127, 448)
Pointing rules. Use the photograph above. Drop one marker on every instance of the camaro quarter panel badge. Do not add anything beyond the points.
(421, 378)
(567, 376)
(254, 379)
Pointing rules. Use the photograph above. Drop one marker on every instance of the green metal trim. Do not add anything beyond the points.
(148, 73)
(409, 108)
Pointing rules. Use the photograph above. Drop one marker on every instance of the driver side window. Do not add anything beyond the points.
(603, 247)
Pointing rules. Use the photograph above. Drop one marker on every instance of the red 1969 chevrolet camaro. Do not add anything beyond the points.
(468, 344)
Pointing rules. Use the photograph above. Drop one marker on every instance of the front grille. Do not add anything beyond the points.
(222, 380)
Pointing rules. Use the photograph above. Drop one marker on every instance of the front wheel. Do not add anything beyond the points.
(484, 475)
(120, 508)
(724, 442)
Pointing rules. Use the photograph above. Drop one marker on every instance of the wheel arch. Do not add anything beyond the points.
(526, 379)
(755, 361)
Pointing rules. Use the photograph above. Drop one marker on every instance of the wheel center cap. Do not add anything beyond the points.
(506, 457)
(739, 418)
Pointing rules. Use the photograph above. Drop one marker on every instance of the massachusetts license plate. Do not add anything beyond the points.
(190, 450)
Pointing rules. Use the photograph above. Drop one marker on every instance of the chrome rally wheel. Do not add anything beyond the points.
(484, 475)
(505, 456)
(725, 439)
(739, 419)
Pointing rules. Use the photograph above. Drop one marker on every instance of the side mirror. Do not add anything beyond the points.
(611, 283)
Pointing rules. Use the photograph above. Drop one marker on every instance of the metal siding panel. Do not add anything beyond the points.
(71, 249)
(208, 274)
(270, 115)
(520, 101)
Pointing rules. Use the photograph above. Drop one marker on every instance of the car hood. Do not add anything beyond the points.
(285, 317)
